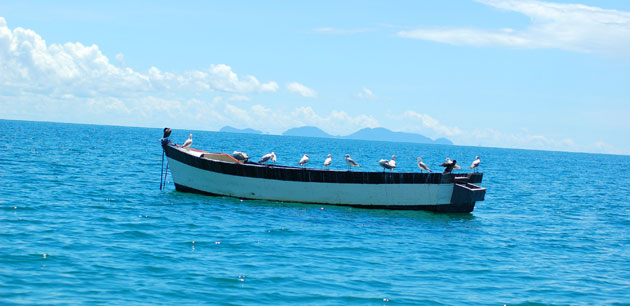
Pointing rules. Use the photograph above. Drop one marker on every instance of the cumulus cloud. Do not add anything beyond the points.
(432, 123)
(277, 121)
(301, 90)
(572, 27)
(525, 139)
(367, 94)
(337, 122)
(239, 98)
(29, 64)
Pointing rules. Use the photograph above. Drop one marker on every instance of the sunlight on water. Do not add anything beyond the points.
(82, 221)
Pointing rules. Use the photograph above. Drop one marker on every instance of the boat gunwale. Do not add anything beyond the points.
(299, 174)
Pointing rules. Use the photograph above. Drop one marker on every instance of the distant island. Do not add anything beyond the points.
(307, 131)
(230, 129)
(378, 134)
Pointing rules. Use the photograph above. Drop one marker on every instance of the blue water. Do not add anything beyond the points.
(82, 221)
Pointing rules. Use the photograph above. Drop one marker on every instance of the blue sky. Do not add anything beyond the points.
(502, 73)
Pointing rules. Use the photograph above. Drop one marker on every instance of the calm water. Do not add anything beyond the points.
(82, 220)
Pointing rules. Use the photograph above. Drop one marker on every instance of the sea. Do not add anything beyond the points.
(83, 221)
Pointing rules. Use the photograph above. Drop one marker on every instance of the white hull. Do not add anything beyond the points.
(310, 192)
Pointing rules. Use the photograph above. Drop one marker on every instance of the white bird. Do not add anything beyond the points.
(392, 162)
(350, 162)
(271, 156)
(422, 166)
(475, 164)
(388, 164)
(304, 160)
(240, 156)
(328, 161)
(188, 142)
(384, 163)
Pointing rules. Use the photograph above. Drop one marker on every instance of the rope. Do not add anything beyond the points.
(162, 170)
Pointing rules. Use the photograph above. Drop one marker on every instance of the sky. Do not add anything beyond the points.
(550, 75)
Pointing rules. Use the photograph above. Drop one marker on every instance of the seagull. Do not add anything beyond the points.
(448, 166)
(304, 160)
(422, 166)
(392, 162)
(328, 161)
(188, 142)
(240, 156)
(388, 164)
(350, 162)
(271, 156)
(475, 164)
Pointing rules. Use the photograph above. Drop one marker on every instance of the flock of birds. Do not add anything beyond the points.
(449, 165)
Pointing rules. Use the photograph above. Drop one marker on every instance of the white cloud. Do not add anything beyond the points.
(239, 98)
(573, 27)
(277, 120)
(29, 64)
(432, 123)
(367, 94)
(527, 140)
(337, 122)
(603, 147)
(301, 90)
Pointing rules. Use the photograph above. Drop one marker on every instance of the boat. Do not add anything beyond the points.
(219, 174)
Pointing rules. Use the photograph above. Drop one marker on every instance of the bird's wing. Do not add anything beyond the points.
(423, 166)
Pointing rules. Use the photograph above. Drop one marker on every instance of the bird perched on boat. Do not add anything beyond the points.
(328, 161)
(449, 161)
(475, 164)
(240, 156)
(448, 166)
(303, 160)
(350, 162)
(392, 162)
(188, 142)
(267, 157)
(167, 133)
(388, 164)
(422, 166)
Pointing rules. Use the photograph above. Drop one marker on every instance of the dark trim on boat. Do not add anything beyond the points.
(273, 172)
(462, 207)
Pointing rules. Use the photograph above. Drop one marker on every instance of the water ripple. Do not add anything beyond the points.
(83, 222)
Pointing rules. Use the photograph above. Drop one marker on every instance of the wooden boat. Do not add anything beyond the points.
(219, 174)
